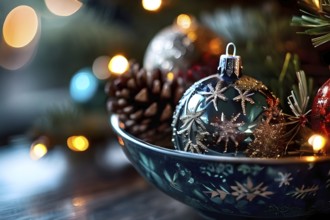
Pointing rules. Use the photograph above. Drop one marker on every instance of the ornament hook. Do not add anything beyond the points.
(230, 65)
(234, 48)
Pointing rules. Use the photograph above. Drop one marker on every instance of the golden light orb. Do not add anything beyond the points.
(170, 76)
(78, 143)
(20, 26)
(310, 159)
(38, 150)
(151, 5)
(317, 142)
(118, 64)
(317, 3)
(184, 21)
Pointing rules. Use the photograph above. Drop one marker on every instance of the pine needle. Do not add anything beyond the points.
(298, 102)
(316, 21)
(285, 67)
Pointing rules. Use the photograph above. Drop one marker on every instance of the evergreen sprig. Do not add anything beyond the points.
(315, 19)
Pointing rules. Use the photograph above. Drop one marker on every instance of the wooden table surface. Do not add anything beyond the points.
(99, 184)
(95, 185)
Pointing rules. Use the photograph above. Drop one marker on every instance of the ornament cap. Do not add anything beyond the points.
(230, 64)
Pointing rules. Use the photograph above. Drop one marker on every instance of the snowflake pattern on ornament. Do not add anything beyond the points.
(227, 130)
(243, 97)
(215, 93)
(190, 119)
(199, 146)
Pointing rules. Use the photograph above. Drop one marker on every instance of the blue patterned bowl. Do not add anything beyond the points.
(247, 187)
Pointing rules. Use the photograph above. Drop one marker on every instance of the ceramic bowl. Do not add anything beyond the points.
(246, 187)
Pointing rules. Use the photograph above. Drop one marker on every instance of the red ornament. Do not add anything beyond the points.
(320, 117)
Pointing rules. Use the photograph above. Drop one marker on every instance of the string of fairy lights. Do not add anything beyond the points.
(80, 89)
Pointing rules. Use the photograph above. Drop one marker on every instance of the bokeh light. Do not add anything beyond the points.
(83, 85)
(317, 141)
(122, 125)
(118, 64)
(38, 150)
(121, 141)
(20, 26)
(151, 5)
(192, 35)
(78, 143)
(184, 21)
(78, 201)
(100, 67)
(215, 46)
(12, 58)
(170, 76)
(316, 3)
(63, 7)
(310, 158)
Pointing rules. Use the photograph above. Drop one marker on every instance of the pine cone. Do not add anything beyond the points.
(144, 101)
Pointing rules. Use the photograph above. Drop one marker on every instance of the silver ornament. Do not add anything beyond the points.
(176, 47)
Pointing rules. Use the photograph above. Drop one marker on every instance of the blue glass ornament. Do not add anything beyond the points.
(218, 114)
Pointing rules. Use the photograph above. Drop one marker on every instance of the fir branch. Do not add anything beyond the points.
(315, 20)
(300, 95)
(298, 102)
(298, 99)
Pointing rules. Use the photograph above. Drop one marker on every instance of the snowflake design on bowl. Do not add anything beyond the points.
(283, 179)
(303, 191)
(247, 190)
(250, 191)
